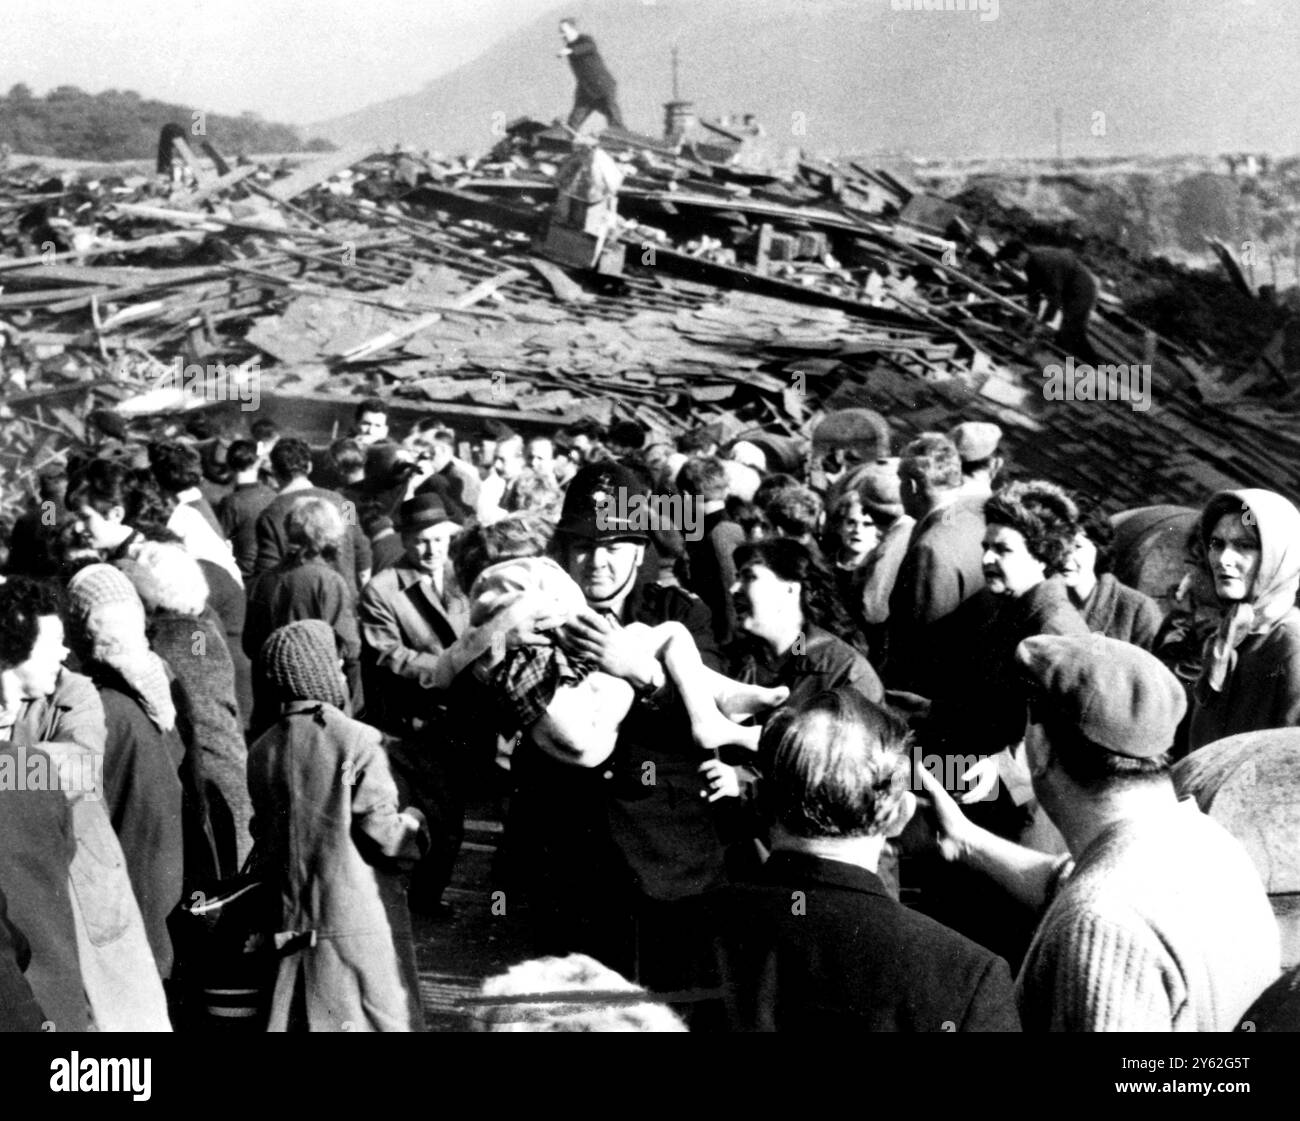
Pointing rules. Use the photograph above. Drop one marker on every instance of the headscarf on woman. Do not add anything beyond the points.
(109, 620)
(143, 750)
(1273, 593)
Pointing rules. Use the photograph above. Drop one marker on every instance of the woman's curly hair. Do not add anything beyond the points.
(23, 601)
(1044, 515)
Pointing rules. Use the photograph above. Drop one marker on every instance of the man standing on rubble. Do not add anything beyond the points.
(597, 91)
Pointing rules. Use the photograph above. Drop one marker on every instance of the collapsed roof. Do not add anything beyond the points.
(751, 299)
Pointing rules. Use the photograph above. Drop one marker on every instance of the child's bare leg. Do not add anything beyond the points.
(736, 699)
(702, 691)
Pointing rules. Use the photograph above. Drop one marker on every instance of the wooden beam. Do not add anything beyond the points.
(391, 338)
(318, 171)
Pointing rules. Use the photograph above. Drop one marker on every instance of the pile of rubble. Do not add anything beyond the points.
(696, 290)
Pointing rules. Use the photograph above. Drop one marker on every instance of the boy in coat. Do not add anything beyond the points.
(328, 829)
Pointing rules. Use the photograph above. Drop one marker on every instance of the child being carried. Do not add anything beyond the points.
(572, 708)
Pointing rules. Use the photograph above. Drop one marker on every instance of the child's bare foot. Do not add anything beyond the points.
(737, 701)
(717, 731)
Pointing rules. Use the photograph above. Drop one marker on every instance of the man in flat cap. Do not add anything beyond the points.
(977, 444)
(1156, 920)
(844, 443)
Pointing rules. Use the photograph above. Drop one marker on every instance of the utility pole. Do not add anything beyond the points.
(1060, 147)
(676, 96)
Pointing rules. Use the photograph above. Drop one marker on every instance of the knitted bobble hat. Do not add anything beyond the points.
(301, 662)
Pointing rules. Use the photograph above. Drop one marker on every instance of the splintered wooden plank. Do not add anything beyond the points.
(566, 289)
(216, 186)
(318, 171)
(396, 335)
(186, 153)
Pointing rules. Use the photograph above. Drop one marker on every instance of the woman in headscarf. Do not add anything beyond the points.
(332, 838)
(190, 640)
(143, 752)
(1251, 678)
(117, 511)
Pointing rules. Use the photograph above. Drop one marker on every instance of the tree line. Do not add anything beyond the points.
(123, 125)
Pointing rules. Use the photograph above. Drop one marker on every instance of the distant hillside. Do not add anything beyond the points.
(1157, 77)
(122, 125)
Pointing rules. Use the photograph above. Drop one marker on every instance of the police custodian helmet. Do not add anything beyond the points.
(605, 502)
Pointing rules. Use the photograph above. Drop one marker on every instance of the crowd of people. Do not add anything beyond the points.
(698, 679)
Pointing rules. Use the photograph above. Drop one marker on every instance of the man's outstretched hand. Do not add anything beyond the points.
(951, 827)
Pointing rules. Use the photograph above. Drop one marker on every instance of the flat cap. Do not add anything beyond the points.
(1117, 695)
(878, 487)
(975, 440)
(864, 431)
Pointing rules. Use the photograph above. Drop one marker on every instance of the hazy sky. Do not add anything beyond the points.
(1178, 75)
(289, 60)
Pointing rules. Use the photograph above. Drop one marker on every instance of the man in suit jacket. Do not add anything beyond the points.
(943, 566)
(597, 91)
(412, 615)
(817, 942)
(238, 511)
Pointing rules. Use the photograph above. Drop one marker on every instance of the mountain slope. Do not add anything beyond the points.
(1155, 76)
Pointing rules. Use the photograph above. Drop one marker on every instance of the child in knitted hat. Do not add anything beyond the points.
(331, 836)
(528, 676)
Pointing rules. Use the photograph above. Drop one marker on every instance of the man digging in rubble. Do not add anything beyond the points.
(1058, 281)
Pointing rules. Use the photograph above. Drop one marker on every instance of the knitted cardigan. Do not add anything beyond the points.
(1163, 925)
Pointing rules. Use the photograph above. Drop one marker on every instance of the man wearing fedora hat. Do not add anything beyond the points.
(412, 616)
(1156, 919)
